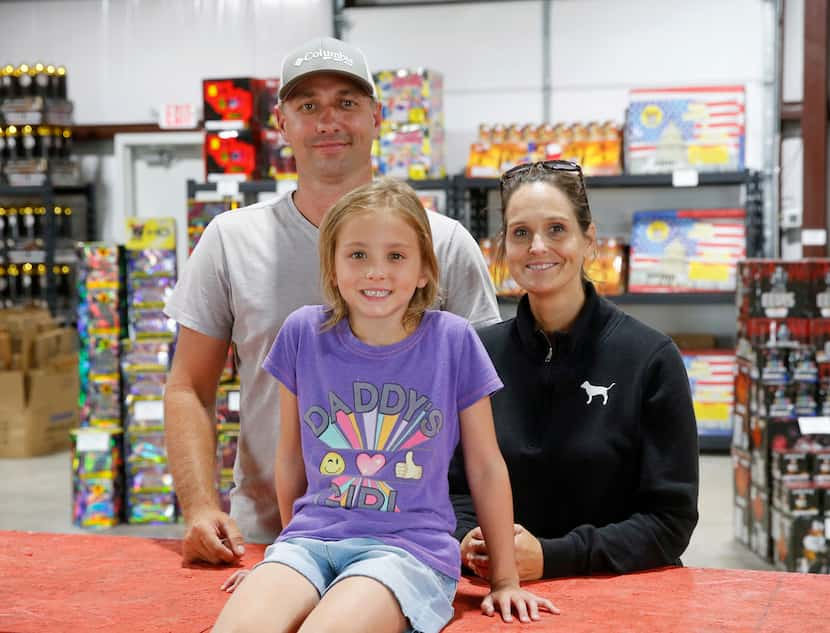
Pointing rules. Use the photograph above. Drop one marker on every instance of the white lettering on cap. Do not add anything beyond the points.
(324, 53)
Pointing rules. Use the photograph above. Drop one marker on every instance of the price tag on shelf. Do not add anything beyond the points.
(813, 237)
(233, 401)
(178, 116)
(88, 440)
(227, 188)
(148, 410)
(684, 178)
(819, 425)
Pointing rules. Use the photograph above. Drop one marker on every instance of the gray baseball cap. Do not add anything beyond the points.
(325, 54)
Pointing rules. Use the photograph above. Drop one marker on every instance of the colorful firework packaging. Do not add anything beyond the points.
(99, 327)
(97, 466)
(227, 439)
(151, 276)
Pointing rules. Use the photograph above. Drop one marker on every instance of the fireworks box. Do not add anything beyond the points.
(759, 532)
(711, 377)
(685, 128)
(247, 155)
(818, 299)
(686, 250)
(741, 481)
(414, 151)
(800, 542)
(239, 102)
(775, 289)
(609, 270)
(410, 96)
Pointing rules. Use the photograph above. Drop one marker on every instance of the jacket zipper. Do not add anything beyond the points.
(549, 355)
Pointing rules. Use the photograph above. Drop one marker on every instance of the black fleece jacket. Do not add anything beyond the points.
(607, 486)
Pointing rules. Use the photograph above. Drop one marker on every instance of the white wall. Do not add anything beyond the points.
(125, 58)
(491, 56)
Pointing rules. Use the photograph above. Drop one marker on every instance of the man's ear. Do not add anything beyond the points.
(280, 118)
(377, 116)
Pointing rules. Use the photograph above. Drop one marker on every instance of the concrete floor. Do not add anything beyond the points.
(36, 496)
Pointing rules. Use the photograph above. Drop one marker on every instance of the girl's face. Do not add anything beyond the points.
(377, 267)
(545, 246)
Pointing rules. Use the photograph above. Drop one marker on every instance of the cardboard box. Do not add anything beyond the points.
(38, 408)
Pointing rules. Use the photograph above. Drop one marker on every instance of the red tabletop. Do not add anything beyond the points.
(93, 583)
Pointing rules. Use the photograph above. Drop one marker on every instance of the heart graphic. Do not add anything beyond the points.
(369, 465)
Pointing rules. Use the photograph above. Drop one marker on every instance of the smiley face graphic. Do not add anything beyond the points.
(332, 464)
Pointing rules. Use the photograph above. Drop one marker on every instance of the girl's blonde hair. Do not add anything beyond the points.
(384, 195)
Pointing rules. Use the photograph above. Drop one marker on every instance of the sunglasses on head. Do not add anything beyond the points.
(542, 165)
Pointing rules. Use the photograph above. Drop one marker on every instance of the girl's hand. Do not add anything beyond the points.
(235, 580)
(527, 604)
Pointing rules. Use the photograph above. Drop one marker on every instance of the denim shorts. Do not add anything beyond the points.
(424, 594)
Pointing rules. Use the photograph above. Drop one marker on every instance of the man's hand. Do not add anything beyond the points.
(530, 562)
(212, 536)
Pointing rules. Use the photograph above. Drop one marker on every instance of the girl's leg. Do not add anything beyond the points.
(273, 598)
(358, 604)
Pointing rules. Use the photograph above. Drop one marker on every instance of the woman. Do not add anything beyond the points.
(595, 420)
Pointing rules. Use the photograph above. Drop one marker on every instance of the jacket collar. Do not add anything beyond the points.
(562, 344)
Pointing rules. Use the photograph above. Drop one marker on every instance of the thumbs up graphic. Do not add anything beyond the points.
(408, 469)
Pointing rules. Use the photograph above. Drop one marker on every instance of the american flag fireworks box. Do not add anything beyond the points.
(702, 128)
(686, 250)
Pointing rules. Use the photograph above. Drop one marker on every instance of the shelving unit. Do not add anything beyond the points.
(55, 250)
(249, 189)
(471, 196)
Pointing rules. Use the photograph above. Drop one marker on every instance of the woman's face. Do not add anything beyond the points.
(545, 247)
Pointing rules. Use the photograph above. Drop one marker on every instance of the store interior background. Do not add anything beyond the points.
(518, 61)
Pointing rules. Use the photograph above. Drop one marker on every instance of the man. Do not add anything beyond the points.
(255, 266)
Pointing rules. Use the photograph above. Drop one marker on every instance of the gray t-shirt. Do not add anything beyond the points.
(251, 269)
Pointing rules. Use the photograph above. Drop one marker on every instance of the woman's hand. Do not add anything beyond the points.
(530, 562)
(505, 599)
(474, 553)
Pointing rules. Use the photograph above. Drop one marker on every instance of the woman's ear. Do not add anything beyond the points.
(591, 246)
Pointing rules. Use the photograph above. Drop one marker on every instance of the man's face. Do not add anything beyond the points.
(330, 123)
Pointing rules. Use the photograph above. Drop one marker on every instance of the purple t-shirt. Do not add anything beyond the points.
(378, 428)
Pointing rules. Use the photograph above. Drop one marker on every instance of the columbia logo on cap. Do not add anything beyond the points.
(324, 53)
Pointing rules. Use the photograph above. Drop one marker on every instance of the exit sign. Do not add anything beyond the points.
(178, 116)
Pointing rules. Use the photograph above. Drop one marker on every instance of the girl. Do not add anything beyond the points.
(375, 392)
(595, 420)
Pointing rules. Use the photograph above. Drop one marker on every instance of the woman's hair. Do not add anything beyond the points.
(384, 195)
(568, 182)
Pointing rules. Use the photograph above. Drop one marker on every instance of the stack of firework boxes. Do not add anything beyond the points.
(411, 143)
(200, 214)
(119, 460)
(781, 439)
